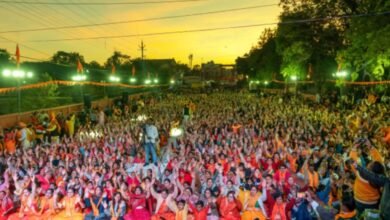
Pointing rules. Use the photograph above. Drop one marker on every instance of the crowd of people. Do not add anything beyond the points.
(222, 155)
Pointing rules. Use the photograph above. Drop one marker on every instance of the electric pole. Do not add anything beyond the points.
(190, 57)
(142, 48)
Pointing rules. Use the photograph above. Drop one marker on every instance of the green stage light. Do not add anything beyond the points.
(114, 79)
(294, 78)
(341, 74)
(79, 77)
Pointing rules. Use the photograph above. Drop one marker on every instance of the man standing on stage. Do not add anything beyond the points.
(151, 137)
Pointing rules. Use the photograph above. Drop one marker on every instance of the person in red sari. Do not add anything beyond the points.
(6, 206)
(229, 207)
(138, 206)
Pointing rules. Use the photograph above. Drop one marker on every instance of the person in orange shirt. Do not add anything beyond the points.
(47, 205)
(367, 195)
(10, 141)
(199, 211)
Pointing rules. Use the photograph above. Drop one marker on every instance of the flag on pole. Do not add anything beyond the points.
(17, 55)
(80, 68)
(113, 69)
(133, 71)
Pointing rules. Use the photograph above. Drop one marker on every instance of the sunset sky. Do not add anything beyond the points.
(222, 46)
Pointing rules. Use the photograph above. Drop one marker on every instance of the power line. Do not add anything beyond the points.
(138, 20)
(28, 47)
(98, 3)
(216, 29)
(33, 13)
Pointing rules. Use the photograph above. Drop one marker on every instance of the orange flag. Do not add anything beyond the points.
(113, 69)
(17, 55)
(80, 68)
(133, 71)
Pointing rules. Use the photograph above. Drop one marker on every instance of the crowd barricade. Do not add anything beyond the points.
(13, 119)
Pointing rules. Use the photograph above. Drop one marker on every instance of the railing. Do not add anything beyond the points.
(10, 120)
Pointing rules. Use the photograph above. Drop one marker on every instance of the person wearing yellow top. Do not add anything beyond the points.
(70, 125)
(68, 207)
(181, 210)
(253, 203)
(366, 194)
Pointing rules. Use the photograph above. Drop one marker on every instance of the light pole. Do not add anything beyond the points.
(80, 78)
(294, 78)
(17, 74)
(341, 76)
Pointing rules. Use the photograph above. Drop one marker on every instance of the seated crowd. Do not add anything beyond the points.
(239, 156)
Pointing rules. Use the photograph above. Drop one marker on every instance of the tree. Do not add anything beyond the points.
(5, 57)
(94, 65)
(67, 58)
(117, 59)
(368, 48)
(262, 62)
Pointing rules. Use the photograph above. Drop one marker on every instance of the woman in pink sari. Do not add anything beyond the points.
(138, 206)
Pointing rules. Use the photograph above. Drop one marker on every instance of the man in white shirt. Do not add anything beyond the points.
(151, 136)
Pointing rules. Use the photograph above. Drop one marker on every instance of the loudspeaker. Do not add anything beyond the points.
(87, 101)
(125, 98)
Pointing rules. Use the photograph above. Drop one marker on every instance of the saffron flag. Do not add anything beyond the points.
(113, 69)
(17, 55)
(80, 68)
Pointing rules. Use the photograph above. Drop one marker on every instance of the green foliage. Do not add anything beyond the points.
(117, 59)
(358, 45)
(67, 58)
(262, 62)
(5, 57)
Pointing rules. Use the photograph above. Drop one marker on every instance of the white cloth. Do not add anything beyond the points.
(151, 134)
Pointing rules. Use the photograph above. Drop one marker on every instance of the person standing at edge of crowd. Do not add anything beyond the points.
(151, 135)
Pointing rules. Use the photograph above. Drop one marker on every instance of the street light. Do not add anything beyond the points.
(341, 75)
(17, 74)
(114, 79)
(294, 78)
(79, 77)
(172, 81)
(155, 81)
(266, 82)
(133, 80)
(148, 81)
